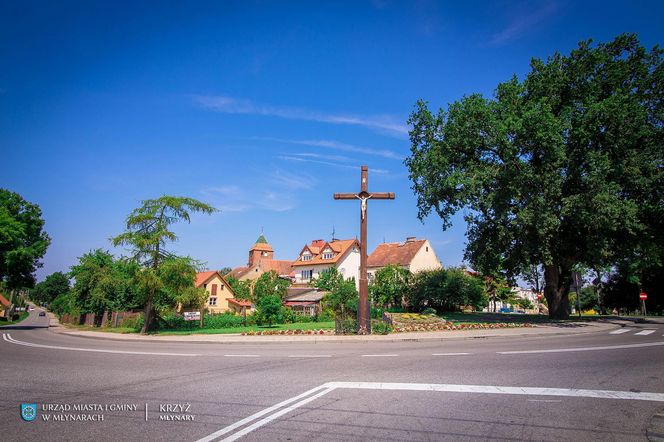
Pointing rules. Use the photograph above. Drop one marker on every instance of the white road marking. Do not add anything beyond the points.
(291, 404)
(563, 350)
(492, 389)
(7, 337)
(645, 332)
(620, 331)
(261, 413)
(449, 354)
(274, 416)
(243, 356)
(309, 356)
(379, 356)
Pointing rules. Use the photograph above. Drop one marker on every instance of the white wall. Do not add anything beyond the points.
(425, 259)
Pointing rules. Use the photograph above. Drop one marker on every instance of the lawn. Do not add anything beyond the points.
(213, 331)
(21, 317)
(298, 326)
(475, 317)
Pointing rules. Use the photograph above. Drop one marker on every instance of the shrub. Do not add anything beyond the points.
(429, 311)
(377, 313)
(133, 322)
(346, 326)
(380, 328)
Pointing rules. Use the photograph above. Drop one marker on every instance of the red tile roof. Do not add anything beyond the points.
(340, 248)
(239, 302)
(395, 253)
(262, 247)
(202, 277)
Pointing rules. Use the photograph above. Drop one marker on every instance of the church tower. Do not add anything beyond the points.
(260, 251)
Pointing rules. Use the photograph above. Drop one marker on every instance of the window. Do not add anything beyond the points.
(306, 274)
(221, 287)
(213, 301)
(214, 289)
(306, 257)
(328, 255)
(204, 286)
(427, 248)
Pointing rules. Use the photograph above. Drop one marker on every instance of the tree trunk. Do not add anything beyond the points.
(556, 291)
(147, 315)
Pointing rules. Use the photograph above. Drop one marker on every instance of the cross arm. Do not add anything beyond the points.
(382, 196)
(345, 196)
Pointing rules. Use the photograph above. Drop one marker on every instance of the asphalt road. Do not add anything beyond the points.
(593, 386)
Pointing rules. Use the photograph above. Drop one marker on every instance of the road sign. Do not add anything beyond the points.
(192, 316)
(643, 295)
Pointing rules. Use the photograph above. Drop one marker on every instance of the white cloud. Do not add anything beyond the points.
(293, 181)
(337, 145)
(221, 103)
(327, 163)
(522, 22)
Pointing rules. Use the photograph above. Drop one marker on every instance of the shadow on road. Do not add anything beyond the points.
(22, 327)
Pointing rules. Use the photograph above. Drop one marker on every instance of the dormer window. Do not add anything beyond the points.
(328, 255)
(306, 257)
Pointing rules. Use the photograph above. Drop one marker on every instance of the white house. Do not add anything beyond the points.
(321, 255)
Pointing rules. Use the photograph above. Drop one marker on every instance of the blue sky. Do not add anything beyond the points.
(262, 109)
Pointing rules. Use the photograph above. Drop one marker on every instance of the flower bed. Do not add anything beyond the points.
(287, 332)
(400, 328)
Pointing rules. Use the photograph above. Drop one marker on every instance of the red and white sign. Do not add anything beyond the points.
(643, 295)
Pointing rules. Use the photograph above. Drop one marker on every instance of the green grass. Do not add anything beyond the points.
(21, 317)
(476, 317)
(214, 331)
(122, 330)
(299, 326)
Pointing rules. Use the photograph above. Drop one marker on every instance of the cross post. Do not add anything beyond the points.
(364, 307)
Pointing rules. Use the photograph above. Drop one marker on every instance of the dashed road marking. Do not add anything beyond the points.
(620, 331)
(309, 356)
(563, 350)
(646, 332)
(7, 337)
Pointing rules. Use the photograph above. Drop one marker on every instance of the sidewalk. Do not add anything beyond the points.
(570, 328)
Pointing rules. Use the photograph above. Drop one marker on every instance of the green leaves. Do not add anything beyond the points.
(390, 286)
(564, 167)
(148, 226)
(22, 241)
(270, 284)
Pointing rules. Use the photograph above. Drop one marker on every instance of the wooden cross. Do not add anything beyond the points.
(364, 308)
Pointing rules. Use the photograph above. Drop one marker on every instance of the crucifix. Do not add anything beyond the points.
(364, 308)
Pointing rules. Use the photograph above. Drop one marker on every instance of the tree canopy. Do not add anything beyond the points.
(23, 242)
(148, 233)
(50, 288)
(561, 169)
(269, 284)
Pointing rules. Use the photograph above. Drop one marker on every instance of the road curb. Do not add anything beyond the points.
(313, 339)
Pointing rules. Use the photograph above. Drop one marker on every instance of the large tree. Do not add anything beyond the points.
(23, 242)
(54, 285)
(148, 233)
(561, 169)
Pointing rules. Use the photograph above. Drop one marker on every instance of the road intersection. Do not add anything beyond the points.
(598, 384)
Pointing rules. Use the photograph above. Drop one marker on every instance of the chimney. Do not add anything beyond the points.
(317, 243)
(410, 239)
